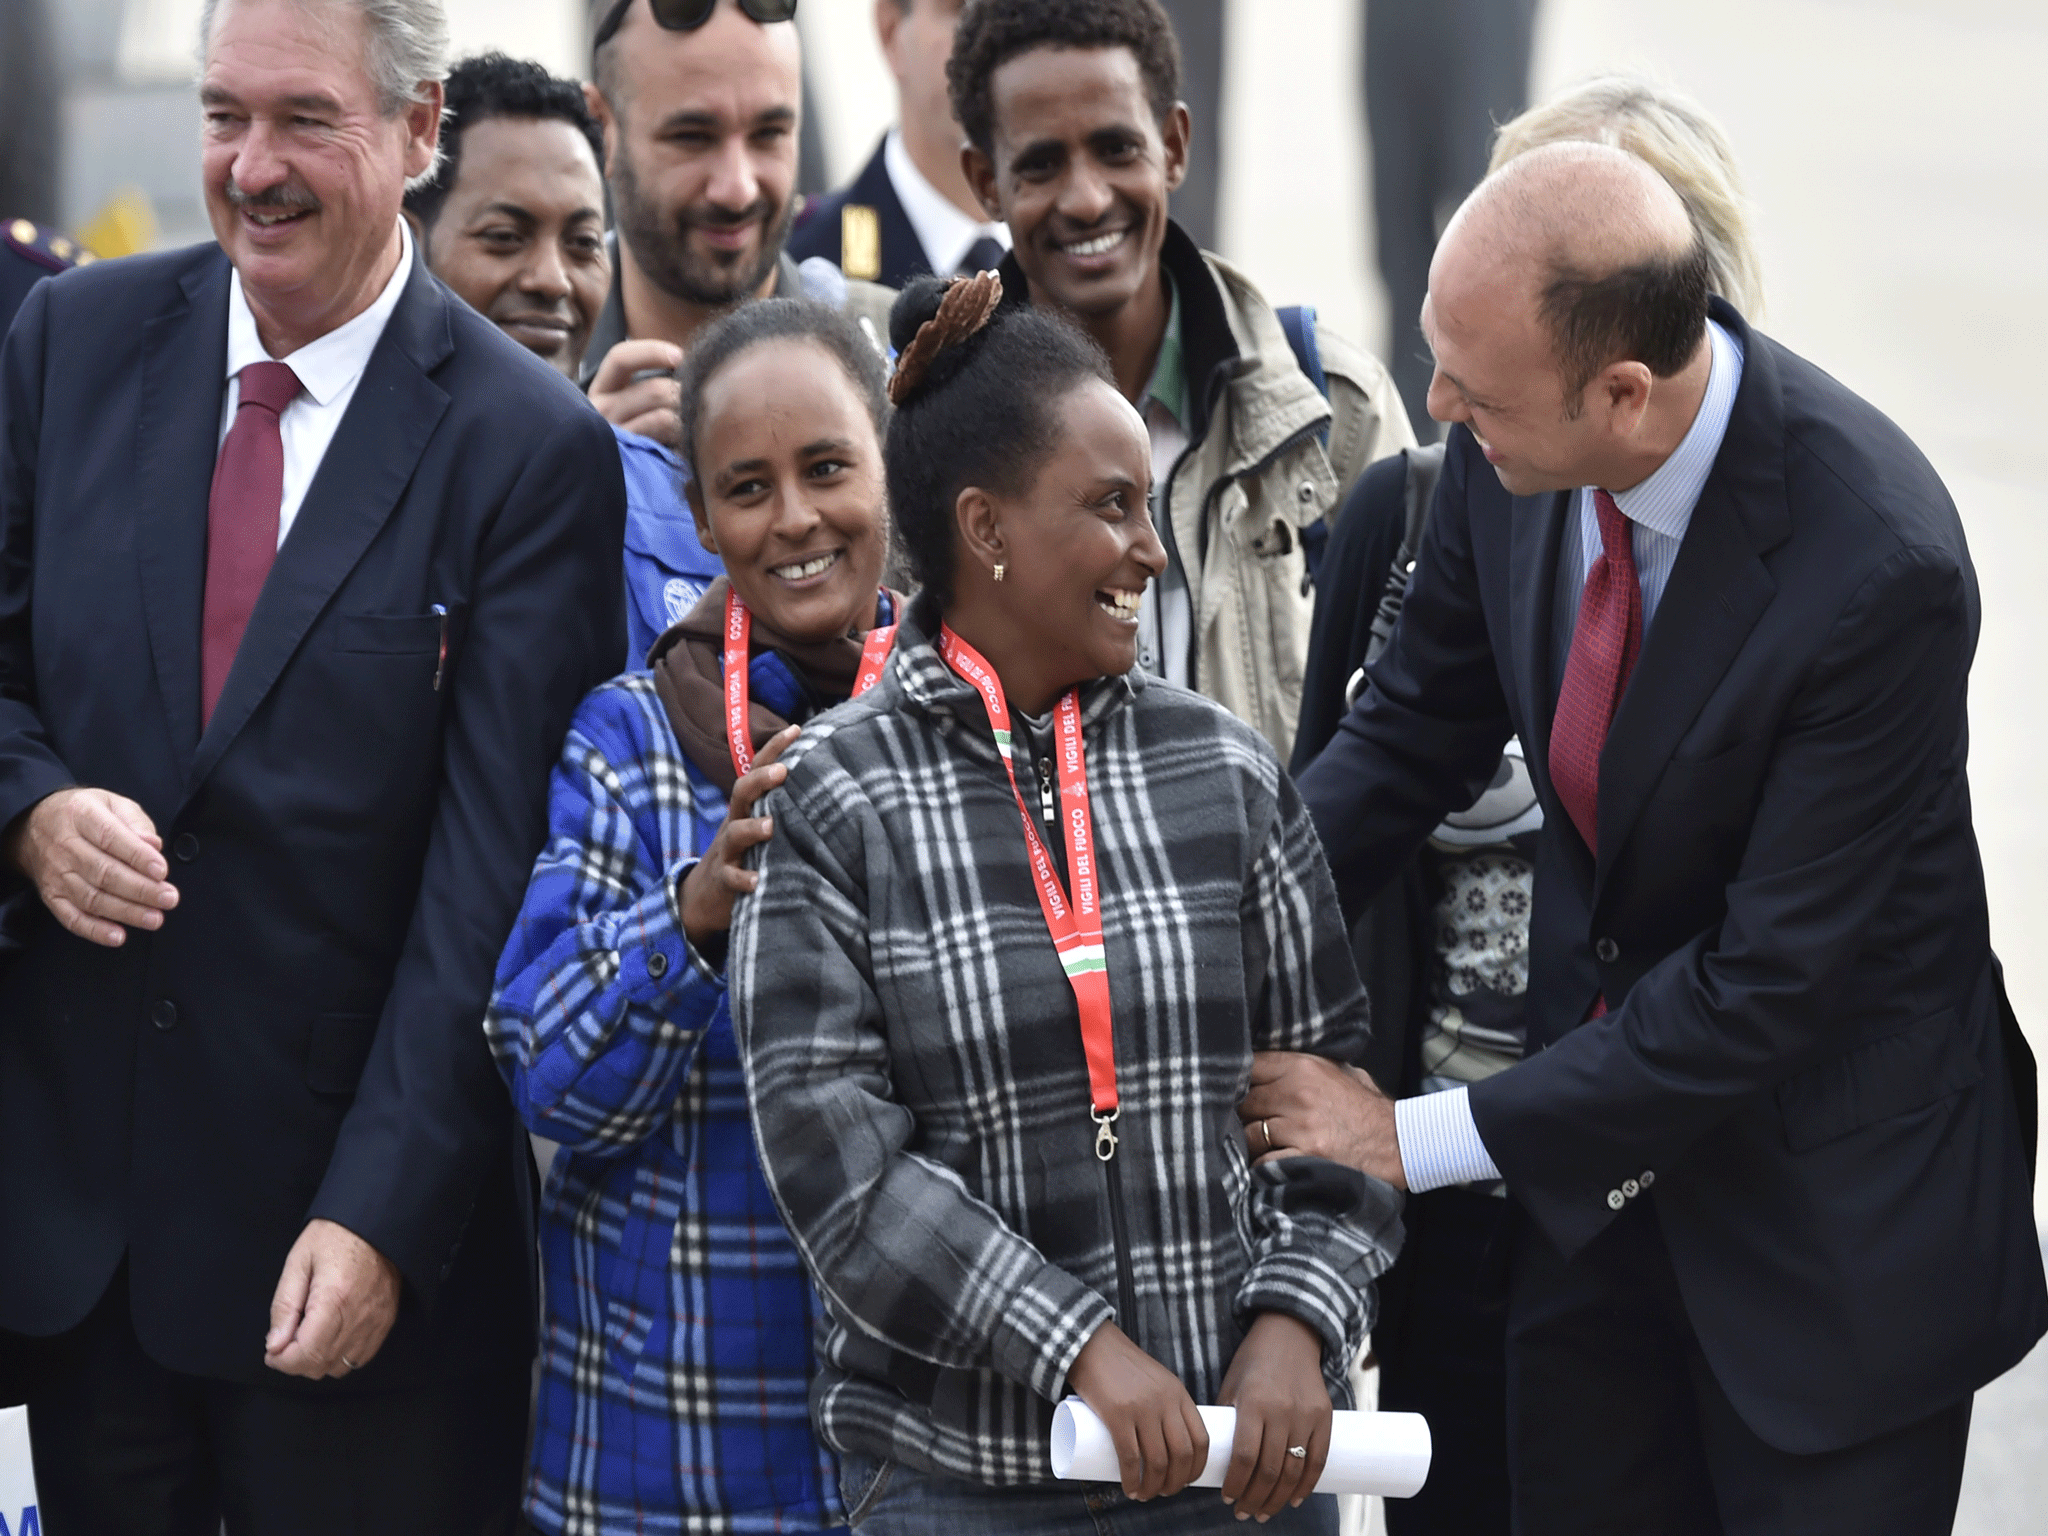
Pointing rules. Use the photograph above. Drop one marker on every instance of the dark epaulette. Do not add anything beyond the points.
(44, 247)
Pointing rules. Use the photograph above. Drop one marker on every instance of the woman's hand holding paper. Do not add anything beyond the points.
(1275, 1382)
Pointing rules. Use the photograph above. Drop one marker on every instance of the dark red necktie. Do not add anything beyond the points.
(1604, 648)
(241, 522)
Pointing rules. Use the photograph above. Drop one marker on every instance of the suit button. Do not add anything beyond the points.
(1615, 1200)
(186, 848)
(1647, 1179)
(657, 965)
(1608, 951)
(165, 1014)
(1631, 1188)
(1306, 491)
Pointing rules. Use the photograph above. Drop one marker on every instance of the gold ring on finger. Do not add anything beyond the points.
(1266, 1130)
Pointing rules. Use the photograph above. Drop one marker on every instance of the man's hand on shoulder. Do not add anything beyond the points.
(335, 1303)
(96, 861)
(1307, 1105)
(649, 406)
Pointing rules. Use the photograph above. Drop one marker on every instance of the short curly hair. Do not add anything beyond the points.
(490, 85)
(993, 32)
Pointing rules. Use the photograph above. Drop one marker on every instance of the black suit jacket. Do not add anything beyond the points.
(818, 227)
(1787, 918)
(303, 1038)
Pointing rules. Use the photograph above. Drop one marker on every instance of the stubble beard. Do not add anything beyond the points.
(661, 246)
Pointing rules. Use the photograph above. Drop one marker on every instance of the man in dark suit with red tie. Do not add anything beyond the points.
(1768, 1156)
(303, 567)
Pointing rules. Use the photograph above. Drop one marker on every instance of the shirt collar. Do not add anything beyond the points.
(1663, 503)
(1169, 386)
(327, 364)
(946, 233)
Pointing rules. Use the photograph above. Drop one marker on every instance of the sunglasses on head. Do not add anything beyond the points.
(688, 15)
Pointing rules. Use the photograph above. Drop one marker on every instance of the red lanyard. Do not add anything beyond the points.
(1076, 926)
(739, 629)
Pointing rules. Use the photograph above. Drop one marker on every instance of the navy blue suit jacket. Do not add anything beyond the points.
(1804, 1054)
(818, 227)
(303, 1038)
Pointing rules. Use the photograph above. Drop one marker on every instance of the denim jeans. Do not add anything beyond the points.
(887, 1498)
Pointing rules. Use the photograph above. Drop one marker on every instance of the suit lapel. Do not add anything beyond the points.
(1537, 532)
(1719, 588)
(183, 368)
(361, 477)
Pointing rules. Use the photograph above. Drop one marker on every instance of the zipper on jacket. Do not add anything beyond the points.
(1120, 1239)
(1105, 1140)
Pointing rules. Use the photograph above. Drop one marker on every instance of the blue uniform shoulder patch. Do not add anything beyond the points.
(45, 247)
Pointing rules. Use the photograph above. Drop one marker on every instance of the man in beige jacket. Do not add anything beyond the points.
(1076, 136)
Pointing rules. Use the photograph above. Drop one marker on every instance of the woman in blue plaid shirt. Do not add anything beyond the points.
(676, 1359)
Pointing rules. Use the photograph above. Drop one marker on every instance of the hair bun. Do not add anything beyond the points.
(935, 315)
(917, 303)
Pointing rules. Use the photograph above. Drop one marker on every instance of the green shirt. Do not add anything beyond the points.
(1169, 384)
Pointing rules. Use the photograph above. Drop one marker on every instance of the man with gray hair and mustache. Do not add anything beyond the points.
(303, 567)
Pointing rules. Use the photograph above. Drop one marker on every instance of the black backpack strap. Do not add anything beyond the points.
(1425, 466)
(1299, 322)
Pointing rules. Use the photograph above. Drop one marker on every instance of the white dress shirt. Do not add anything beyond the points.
(1659, 509)
(328, 369)
(1440, 1144)
(946, 233)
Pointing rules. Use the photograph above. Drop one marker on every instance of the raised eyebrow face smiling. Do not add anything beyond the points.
(521, 235)
(1081, 172)
(540, 312)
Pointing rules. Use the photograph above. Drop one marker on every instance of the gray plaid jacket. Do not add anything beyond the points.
(917, 1082)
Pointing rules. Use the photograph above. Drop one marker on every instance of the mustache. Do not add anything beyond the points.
(285, 197)
(709, 216)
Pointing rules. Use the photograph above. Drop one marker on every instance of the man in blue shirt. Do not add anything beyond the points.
(667, 570)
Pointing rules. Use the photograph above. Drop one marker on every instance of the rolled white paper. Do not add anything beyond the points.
(1383, 1453)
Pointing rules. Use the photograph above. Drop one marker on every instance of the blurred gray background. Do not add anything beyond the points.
(1893, 148)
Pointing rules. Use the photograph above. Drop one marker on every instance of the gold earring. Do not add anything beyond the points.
(998, 573)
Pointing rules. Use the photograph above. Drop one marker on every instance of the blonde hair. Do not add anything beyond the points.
(1675, 137)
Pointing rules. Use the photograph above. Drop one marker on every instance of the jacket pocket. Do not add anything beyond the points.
(1739, 766)
(1895, 1075)
(388, 634)
(336, 1050)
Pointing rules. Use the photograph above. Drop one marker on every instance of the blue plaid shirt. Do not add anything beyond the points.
(676, 1358)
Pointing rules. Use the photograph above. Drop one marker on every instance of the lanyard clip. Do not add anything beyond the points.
(1105, 1138)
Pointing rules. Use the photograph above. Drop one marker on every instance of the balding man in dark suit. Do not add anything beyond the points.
(1768, 1154)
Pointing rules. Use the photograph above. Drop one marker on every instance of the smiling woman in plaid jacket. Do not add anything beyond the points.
(676, 1359)
(1008, 1181)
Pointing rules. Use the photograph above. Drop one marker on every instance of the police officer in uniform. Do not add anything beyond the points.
(910, 211)
(28, 254)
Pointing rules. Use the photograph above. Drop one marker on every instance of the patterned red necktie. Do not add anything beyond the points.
(1604, 648)
(241, 522)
